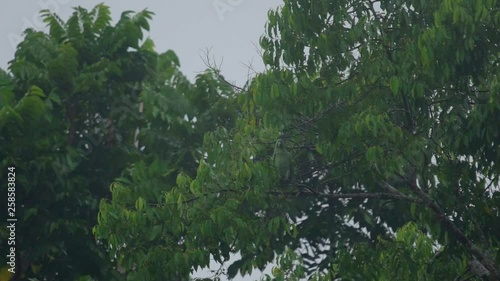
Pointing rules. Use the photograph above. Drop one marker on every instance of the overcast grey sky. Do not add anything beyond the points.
(230, 28)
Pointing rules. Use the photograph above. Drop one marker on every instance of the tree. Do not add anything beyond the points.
(86, 105)
(178, 114)
(388, 109)
(409, 255)
(68, 113)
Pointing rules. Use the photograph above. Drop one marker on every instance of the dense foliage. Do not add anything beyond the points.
(367, 150)
(73, 107)
(389, 111)
(63, 130)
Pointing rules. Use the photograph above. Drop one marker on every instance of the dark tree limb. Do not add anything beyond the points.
(355, 195)
(450, 226)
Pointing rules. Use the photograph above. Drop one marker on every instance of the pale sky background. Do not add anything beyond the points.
(230, 28)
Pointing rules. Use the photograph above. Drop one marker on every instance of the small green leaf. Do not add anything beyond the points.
(395, 85)
(139, 204)
(232, 270)
(155, 232)
(413, 208)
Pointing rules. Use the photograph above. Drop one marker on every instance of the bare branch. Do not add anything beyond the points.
(216, 69)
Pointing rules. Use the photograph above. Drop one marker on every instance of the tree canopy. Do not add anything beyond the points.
(385, 110)
(388, 109)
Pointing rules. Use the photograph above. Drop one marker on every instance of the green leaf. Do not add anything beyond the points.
(232, 270)
(395, 85)
(55, 98)
(413, 207)
(139, 204)
(155, 232)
